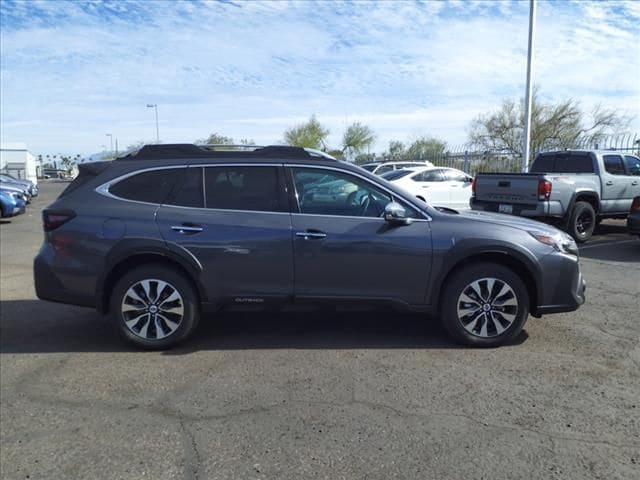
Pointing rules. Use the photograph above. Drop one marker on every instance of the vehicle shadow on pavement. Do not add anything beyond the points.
(612, 242)
(31, 326)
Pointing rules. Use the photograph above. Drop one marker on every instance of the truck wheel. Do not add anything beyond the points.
(583, 222)
(154, 307)
(484, 305)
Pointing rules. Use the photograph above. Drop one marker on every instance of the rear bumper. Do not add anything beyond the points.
(49, 285)
(540, 209)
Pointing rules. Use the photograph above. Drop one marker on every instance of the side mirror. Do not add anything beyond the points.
(395, 213)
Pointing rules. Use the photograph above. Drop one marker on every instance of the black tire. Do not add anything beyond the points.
(159, 322)
(582, 222)
(467, 329)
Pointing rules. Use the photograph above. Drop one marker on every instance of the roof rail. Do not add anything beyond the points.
(190, 150)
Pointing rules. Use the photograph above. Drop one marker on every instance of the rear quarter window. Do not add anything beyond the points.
(563, 163)
(152, 186)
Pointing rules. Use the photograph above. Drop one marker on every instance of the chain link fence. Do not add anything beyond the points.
(465, 158)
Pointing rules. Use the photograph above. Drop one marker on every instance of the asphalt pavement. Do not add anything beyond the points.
(321, 395)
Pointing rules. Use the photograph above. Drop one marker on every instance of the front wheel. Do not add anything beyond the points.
(484, 305)
(154, 307)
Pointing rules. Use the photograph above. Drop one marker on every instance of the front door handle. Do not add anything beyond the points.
(634, 183)
(186, 229)
(311, 234)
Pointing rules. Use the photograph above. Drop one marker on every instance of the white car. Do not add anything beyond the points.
(378, 168)
(438, 186)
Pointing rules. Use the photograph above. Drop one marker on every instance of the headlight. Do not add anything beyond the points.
(558, 240)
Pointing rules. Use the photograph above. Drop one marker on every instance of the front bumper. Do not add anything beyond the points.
(564, 287)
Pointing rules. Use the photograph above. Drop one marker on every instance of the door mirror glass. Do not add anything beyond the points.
(396, 214)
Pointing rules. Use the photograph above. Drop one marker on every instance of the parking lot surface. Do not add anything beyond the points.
(320, 395)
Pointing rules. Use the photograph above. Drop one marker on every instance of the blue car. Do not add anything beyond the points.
(11, 203)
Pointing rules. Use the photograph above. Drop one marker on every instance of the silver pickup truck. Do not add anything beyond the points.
(573, 189)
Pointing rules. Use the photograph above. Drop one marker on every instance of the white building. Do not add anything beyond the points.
(16, 160)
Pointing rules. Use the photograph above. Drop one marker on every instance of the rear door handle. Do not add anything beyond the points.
(634, 183)
(186, 229)
(609, 182)
(311, 235)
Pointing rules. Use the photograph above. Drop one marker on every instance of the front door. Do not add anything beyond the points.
(236, 223)
(344, 249)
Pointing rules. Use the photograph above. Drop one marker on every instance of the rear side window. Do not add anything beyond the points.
(563, 163)
(254, 188)
(189, 193)
(396, 174)
(613, 164)
(633, 165)
(150, 187)
(429, 176)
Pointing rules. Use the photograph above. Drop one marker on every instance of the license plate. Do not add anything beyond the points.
(504, 208)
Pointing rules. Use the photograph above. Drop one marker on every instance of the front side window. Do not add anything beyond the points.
(326, 192)
(454, 176)
(633, 165)
(613, 164)
(255, 188)
(151, 187)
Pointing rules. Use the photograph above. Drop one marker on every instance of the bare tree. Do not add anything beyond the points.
(553, 126)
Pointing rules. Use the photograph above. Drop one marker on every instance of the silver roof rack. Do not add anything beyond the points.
(319, 153)
(225, 146)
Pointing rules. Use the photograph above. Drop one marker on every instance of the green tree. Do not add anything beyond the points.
(218, 139)
(553, 126)
(310, 134)
(395, 152)
(426, 148)
(356, 139)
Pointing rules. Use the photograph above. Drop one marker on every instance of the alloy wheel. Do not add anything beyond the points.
(152, 309)
(487, 307)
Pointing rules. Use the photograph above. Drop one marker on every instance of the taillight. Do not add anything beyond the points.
(52, 219)
(473, 185)
(544, 190)
(636, 204)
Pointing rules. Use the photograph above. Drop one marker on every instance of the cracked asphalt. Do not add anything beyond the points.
(320, 395)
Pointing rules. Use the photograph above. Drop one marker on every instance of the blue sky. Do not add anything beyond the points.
(72, 71)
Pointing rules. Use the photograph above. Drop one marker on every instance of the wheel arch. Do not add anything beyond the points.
(518, 263)
(126, 261)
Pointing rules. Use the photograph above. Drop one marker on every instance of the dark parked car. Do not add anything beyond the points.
(32, 188)
(633, 220)
(165, 233)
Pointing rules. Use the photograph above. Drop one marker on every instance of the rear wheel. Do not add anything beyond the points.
(484, 305)
(582, 222)
(154, 307)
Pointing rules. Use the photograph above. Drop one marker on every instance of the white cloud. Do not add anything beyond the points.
(73, 71)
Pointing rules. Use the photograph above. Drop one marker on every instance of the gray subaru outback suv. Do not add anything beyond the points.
(162, 236)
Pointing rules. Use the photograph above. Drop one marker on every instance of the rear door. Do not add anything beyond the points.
(234, 220)
(633, 171)
(616, 185)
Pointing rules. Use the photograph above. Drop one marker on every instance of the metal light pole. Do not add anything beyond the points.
(528, 94)
(110, 135)
(155, 105)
